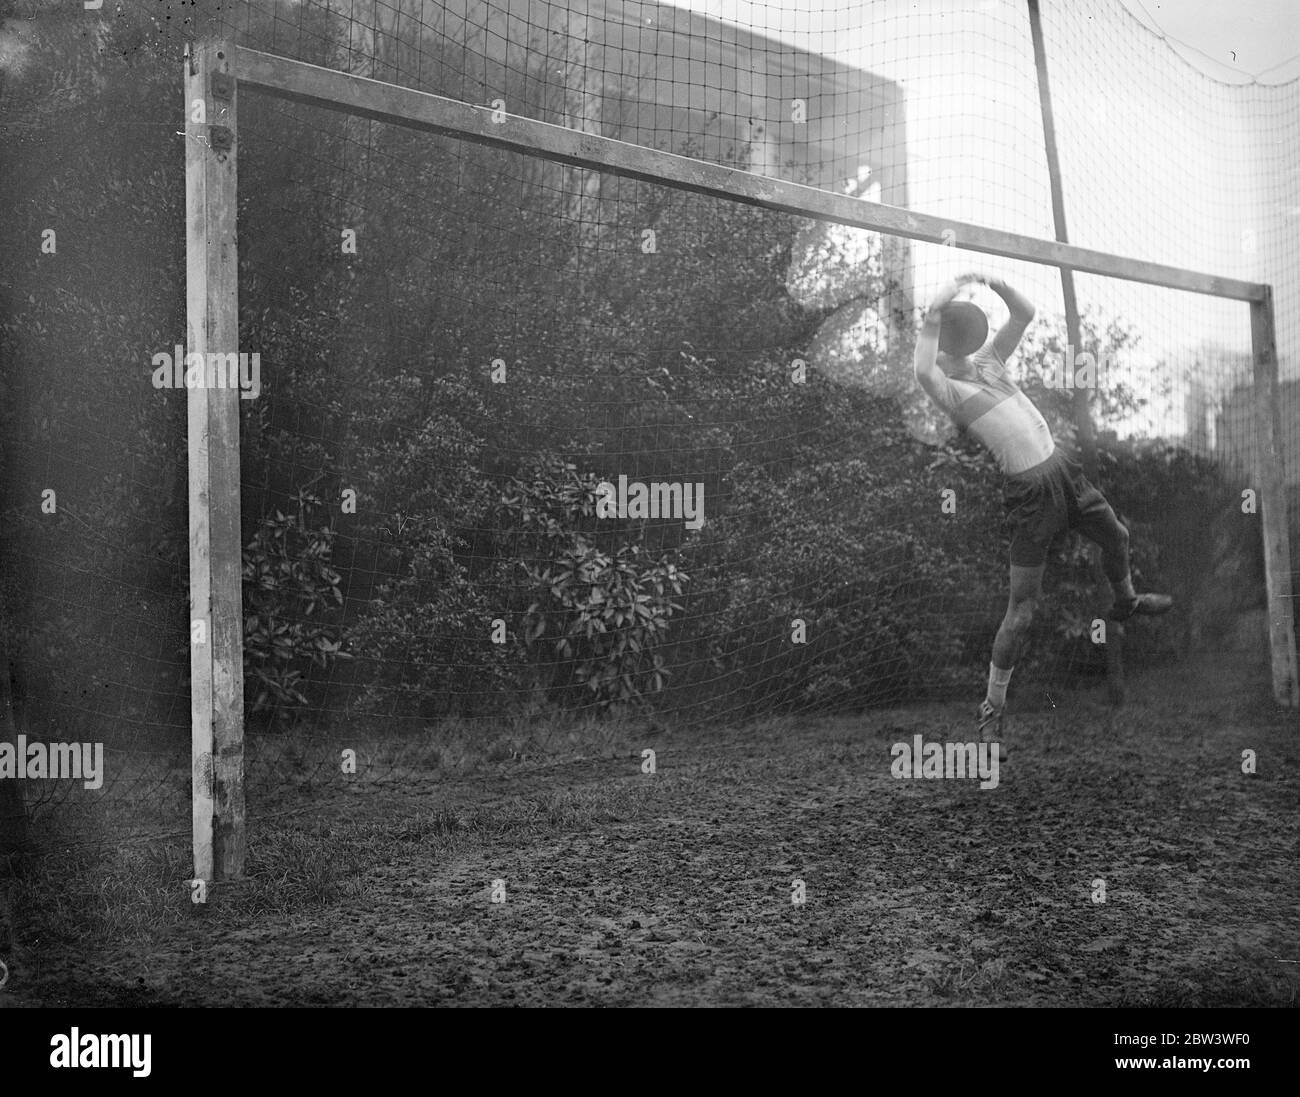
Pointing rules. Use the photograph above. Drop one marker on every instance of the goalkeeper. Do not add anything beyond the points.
(1045, 491)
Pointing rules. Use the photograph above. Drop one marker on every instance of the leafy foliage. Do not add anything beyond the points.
(291, 597)
(595, 618)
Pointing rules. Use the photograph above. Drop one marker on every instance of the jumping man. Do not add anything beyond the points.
(1045, 491)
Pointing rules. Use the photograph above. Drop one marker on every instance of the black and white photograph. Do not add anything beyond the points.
(650, 504)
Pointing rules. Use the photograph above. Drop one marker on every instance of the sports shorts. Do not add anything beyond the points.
(1051, 497)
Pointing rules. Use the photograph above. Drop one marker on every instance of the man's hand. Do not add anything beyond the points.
(943, 295)
(949, 290)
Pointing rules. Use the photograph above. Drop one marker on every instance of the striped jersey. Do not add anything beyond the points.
(992, 407)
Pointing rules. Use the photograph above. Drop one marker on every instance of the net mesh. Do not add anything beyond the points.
(469, 357)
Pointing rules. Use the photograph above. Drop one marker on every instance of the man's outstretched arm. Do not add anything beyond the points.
(925, 361)
(1022, 312)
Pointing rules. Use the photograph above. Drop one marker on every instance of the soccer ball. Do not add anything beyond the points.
(963, 328)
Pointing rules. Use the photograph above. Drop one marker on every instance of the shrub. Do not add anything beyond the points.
(291, 594)
(595, 617)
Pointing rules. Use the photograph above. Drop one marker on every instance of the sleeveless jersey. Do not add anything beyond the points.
(996, 412)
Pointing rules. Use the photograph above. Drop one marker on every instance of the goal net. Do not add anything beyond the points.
(539, 432)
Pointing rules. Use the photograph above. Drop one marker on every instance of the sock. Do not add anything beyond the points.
(998, 680)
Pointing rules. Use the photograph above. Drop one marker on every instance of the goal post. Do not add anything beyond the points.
(215, 550)
(1272, 492)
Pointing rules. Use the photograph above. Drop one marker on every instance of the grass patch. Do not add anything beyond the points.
(84, 897)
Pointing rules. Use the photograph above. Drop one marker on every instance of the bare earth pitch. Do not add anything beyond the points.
(629, 889)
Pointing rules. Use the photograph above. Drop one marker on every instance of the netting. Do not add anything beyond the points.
(93, 486)
(469, 357)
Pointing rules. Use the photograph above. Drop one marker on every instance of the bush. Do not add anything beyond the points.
(857, 549)
(426, 579)
(291, 595)
(595, 618)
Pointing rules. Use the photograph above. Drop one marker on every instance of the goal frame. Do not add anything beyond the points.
(217, 70)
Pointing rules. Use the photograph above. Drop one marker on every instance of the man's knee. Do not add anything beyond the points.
(1020, 614)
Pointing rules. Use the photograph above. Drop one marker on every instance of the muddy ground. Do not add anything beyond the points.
(623, 888)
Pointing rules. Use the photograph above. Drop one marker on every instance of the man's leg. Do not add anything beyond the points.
(1097, 521)
(1008, 645)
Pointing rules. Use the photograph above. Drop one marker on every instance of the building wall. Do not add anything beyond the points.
(652, 74)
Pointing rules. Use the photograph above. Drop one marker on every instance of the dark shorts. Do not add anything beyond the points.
(1049, 498)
